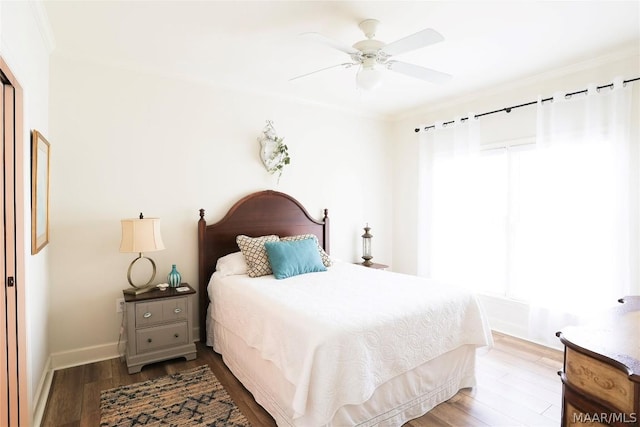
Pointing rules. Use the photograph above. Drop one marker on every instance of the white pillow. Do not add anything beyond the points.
(232, 264)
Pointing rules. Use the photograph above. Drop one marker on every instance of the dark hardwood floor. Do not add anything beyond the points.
(518, 385)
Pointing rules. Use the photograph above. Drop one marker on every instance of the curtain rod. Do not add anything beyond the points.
(508, 109)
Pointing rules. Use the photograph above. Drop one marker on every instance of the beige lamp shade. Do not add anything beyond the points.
(141, 235)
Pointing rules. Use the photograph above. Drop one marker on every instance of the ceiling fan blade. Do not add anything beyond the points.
(414, 41)
(345, 65)
(330, 42)
(418, 72)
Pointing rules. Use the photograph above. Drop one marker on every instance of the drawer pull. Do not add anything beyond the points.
(177, 310)
(146, 315)
(149, 340)
(176, 335)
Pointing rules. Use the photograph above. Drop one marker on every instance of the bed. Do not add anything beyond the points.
(340, 346)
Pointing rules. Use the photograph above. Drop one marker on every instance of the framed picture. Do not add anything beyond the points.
(39, 192)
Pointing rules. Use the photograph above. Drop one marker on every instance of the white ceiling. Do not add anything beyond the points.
(255, 46)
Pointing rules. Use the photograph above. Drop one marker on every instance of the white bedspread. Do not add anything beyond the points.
(338, 335)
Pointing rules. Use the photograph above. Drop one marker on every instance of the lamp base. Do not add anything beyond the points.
(138, 291)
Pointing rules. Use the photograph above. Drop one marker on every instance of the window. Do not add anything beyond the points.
(551, 221)
(514, 219)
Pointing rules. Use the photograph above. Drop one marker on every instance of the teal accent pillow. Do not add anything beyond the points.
(289, 259)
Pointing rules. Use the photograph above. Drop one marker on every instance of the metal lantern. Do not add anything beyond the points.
(366, 246)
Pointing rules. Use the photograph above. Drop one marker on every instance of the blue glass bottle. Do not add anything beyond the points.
(174, 278)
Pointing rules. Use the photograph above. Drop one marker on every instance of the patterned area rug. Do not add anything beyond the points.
(190, 398)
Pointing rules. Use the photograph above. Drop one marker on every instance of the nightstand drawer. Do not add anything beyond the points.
(592, 376)
(163, 311)
(162, 336)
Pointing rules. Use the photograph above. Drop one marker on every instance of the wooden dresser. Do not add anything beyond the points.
(601, 375)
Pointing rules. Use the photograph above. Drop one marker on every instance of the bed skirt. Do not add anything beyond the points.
(393, 403)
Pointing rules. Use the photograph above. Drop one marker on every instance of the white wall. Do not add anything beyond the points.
(25, 45)
(126, 142)
(505, 315)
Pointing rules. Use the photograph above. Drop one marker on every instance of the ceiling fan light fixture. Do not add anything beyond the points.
(369, 78)
(373, 57)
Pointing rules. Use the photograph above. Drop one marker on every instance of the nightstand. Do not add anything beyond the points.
(159, 326)
(374, 265)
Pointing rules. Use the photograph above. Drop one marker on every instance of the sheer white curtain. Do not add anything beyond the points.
(446, 196)
(574, 252)
(553, 224)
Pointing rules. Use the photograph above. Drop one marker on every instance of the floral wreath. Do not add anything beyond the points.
(274, 152)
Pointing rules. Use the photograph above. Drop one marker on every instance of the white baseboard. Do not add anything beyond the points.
(97, 353)
(42, 394)
(82, 356)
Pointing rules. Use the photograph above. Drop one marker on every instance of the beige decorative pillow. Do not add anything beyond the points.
(255, 254)
(326, 260)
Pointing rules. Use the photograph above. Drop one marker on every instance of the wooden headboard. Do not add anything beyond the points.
(258, 214)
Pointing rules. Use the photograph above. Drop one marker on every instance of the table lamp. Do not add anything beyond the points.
(141, 235)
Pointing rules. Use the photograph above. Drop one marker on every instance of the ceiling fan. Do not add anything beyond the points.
(373, 56)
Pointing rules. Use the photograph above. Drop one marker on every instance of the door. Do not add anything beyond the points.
(13, 376)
